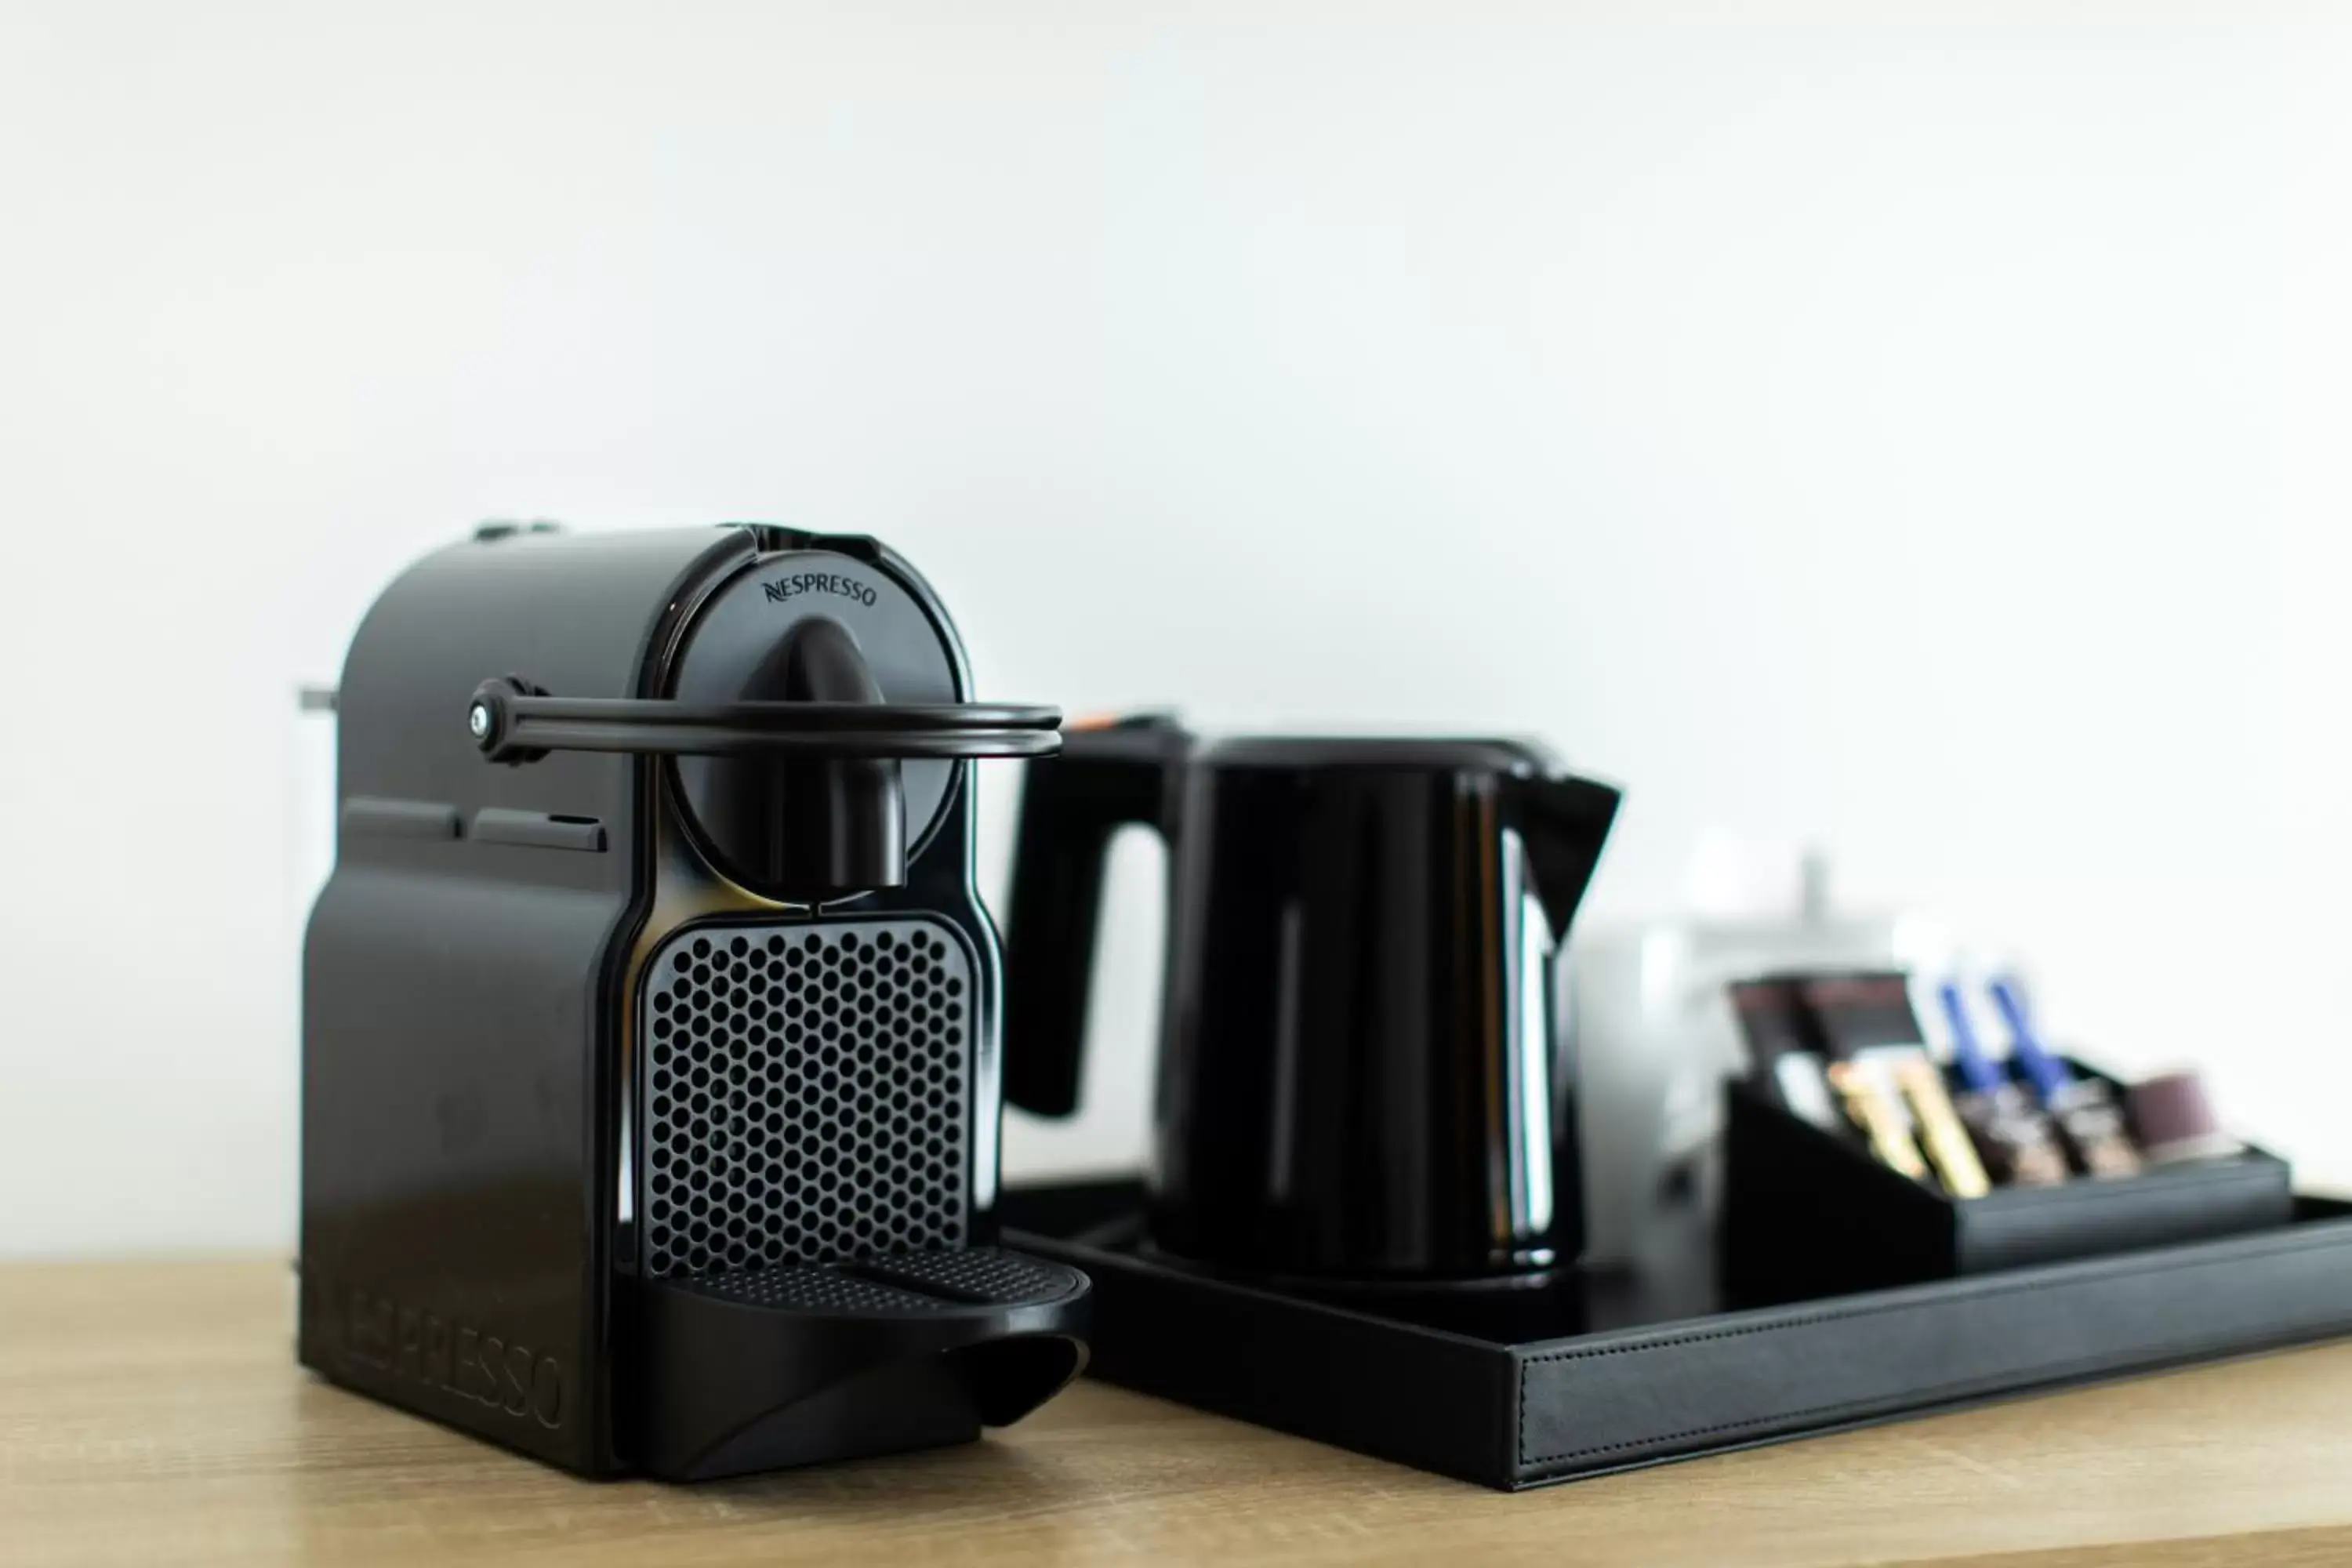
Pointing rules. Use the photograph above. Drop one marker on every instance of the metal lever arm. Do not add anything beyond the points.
(513, 721)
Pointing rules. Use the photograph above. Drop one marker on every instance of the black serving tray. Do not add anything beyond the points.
(1597, 1371)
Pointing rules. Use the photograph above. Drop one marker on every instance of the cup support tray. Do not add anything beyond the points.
(774, 1367)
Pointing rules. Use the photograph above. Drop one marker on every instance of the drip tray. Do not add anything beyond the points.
(764, 1368)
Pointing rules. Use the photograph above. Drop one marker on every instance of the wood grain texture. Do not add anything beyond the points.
(153, 1413)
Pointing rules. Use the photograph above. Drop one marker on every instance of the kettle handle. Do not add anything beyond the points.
(1104, 778)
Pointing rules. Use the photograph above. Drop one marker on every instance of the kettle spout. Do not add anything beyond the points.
(1563, 820)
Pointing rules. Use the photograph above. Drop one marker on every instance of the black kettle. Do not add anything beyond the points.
(1361, 1072)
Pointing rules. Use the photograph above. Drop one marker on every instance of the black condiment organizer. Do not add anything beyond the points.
(1594, 1371)
(1808, 1212)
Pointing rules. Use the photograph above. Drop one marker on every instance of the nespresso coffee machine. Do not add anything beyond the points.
(650, 1016)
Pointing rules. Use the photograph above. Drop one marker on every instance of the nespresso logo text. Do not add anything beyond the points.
(801, 583)
(456, 1358)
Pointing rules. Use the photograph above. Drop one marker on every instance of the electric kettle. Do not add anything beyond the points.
(1362, 1075)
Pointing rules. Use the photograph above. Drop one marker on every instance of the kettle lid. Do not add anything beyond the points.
(1467, 754)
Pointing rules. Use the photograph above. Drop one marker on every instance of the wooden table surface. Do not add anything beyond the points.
(153, 1413)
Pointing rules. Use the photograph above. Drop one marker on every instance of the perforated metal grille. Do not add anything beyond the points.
(805, 1091)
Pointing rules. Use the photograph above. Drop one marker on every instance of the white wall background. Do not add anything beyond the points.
(1919, 429)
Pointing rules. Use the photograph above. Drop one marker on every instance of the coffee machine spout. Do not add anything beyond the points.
(817, 828)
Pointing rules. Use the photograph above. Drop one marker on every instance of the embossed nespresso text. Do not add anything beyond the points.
(456, 1358)
(801, 583)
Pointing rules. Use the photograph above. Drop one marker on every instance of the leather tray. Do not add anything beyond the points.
(1595, 1373)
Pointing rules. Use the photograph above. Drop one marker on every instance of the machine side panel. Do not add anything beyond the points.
(460, 978)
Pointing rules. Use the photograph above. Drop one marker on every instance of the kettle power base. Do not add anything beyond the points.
(1594, 1372)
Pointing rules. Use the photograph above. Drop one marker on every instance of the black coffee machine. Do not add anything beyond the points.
(650, 1016)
